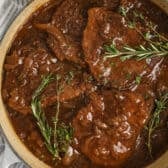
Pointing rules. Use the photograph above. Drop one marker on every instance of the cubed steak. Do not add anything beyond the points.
(104, 28)
(65, 30)
(106, 129)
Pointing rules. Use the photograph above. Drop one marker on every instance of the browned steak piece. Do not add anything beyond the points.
(67, 26)
(64, 47)
(70, 17)
(75, 87)
(106, 129)
(103, 28)
(65, 30)
(70, 91)
(28, 65)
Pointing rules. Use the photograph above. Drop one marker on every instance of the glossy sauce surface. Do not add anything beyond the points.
(103, 101)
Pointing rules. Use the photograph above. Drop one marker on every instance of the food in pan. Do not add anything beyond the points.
(86, 83)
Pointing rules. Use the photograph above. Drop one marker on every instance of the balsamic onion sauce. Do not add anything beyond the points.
(109, 103)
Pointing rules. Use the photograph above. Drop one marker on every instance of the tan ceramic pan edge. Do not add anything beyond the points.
(7, 127)
(162, 162)
(13, 139)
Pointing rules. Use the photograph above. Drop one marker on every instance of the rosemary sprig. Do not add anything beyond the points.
(58, 138)
(39, 114)
(137, 53)
(154, 121)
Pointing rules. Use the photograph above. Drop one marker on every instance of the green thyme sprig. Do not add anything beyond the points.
(132, 23)
(55, 120)
(137, 53)
(57, 139)
(62, 134)
(152, 32)
(39, 114)
(160, 106)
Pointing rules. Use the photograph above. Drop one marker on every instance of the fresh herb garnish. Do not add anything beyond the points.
(153, 48)
(128, 76)
(39, 114)
(58, 138)
(55, 119)
(69, 77)
(151, 27)
(138, 53)
(138, 80)
(123, 11)
(160, 106)
(62, 134)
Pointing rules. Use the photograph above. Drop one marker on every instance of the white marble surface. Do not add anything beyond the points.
(9, 9)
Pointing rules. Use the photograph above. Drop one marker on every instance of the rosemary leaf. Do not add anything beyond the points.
(57, 139)
(138, 53)
(138, 80)
(45, 81)
(39, 114)
(160, 106)
(123, 11)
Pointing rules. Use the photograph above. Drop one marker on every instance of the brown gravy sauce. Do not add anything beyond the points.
(36, 52)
